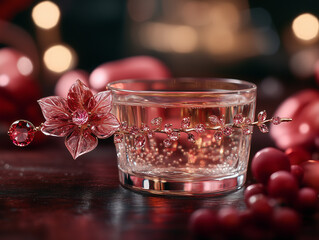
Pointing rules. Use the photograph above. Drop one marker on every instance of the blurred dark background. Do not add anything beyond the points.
(262, 41)
(271, 43)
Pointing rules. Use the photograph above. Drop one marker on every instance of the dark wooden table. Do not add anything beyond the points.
(44, 194)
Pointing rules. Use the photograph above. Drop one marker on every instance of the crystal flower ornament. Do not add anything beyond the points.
(81, 118)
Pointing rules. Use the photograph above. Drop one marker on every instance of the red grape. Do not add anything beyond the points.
(138, 67)
(297, 155)
(229, 220)
(303, 109)
(316, 68)
(203, 223)
(282, 185)
(286, 222)
(253, 189)
(311, 174)
(261, 207)
(246, 217)
(268, 161)
(253, 232)
(298, 172)
(307, 200)
(68, 79)
(252, 229)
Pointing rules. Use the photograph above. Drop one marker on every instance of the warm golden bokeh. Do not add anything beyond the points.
(306, 26)
(58, 58)
(46, 14)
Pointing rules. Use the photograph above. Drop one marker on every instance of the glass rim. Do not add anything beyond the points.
(250, 86)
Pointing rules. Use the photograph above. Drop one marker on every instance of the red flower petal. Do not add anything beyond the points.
(54, 108)
(105, 127)
(80, 142)
(57, 128)
(79, 96)
(101, 104)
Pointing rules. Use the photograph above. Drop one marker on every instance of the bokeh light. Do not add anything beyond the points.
(225, 15)
(303, 62)
(260, 18)
(25, 66)
(306, 26)
(304, 128)
(271, 87)
(46, 14)
(4, 80)
(196, 13)
(267, 41)
(58, 58)
(68, 79)
(169, 37)
(218, 41)
(140, 10)
(183, 39)
(98, 79)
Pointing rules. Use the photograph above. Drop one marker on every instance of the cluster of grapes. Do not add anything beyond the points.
(275, 205)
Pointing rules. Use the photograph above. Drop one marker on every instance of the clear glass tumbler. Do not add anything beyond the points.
(183, 136)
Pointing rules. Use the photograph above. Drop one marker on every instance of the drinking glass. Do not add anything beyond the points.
(183, 136)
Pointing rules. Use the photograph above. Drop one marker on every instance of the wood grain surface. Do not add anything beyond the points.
(44, 194)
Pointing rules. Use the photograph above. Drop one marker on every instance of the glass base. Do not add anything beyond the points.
(196, 187)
